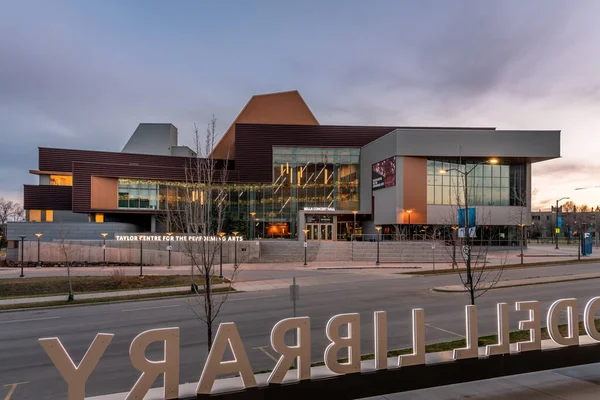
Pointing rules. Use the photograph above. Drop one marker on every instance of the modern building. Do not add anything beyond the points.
(288, 173)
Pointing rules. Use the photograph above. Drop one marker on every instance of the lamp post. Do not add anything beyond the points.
(22, 254)
(39, 235)
(465, 175)
(409, 226)
(305, 244)
(521, 241)
(140, 237)
(354, 226)
(556, 228)
(221, 234)
(235, 264)
(169, 234)
(378, 234)
(104, 235)
(252, 214)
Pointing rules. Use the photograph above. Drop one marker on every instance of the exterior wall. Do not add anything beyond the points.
(376, 151)
(47, 197)
(536, 145)
(273, 108)
(44, 180)
(152, 139)
(104, 193)
(69, 230)
(415, 190)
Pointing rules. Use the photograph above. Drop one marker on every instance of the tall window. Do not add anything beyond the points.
(488, 185)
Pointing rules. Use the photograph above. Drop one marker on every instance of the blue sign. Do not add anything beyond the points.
(472, 218)
(586, 244)
(559, 222)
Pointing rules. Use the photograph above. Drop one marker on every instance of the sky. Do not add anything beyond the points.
(83, 74)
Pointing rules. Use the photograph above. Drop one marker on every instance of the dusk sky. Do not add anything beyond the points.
(83, 74)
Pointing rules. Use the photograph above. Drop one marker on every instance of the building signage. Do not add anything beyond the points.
(319, 209)
(228, 338)
(177, 238)
(383, 173)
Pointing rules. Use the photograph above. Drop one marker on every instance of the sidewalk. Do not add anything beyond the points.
(520, 282)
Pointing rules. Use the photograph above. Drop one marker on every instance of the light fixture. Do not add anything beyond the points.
(378, 228)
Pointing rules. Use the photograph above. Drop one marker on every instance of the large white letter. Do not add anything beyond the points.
(381, 347)
(533, 324)
(503, 346)
(418, 339)
(300, 349)
(352, 342)
(572, 320)
(589, 318)
(472, 349)
(226, 334)
(169, 366)
(76, 376)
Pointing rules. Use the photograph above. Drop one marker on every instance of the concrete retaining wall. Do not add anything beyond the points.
(153, 253)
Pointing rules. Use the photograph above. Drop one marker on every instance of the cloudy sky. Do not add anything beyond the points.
(83, 74)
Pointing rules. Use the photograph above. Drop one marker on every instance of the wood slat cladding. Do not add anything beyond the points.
(47, 197)
(83, 172)
(62, 159)
(254, 143)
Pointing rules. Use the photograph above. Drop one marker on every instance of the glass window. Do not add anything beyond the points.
(35, 216)
(49, 215)
(61, 180)
(99, 218)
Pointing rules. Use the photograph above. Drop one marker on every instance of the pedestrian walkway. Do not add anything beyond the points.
(519, 282)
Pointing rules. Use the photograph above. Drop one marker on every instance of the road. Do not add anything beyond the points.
(23, 360)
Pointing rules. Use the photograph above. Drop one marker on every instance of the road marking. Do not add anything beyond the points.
(252, 298)
(262, 348)
(13, 386)
(27, 320)
(150, 308)
(444, 330)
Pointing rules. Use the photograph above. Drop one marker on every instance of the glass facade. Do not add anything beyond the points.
(488, 184)
(302, 178)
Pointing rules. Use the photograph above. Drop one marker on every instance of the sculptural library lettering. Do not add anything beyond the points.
(227, 336)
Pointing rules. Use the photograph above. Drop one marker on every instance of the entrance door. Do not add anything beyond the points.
(319, 231)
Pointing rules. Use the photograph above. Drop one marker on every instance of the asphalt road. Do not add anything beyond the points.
(23, 360)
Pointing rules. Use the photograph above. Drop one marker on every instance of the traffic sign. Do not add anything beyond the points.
(305, 244)
(465, 251)
(557, 230)
(169, 248)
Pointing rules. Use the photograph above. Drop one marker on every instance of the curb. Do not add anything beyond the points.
(447, 289)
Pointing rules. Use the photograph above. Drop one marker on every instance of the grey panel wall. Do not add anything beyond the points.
(152, 139)
(375, 151)
(69, 230)
(537, 145)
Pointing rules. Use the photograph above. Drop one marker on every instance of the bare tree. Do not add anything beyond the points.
(520, 215)
(66, 251)
(200, 217)
(478, 275)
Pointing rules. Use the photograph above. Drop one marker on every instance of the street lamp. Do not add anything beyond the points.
(378, 234)
(221, 234)
(354, 226)
(409, 226)
(104, 235)
(465, 175)
(253, 214)
(556, 228)
(22, 254)
(305, 243)
(169, 234)
(454, 264)
(235, 264)
(140, 237)
(39, 235)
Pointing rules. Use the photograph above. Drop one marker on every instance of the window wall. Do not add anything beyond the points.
(61, 180)
(501, 184)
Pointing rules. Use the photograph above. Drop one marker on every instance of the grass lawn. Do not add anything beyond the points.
(30, 287)
(101, 300)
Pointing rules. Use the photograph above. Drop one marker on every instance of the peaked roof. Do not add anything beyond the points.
(287, 108)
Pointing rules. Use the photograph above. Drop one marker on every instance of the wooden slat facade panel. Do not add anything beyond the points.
(47, 197)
